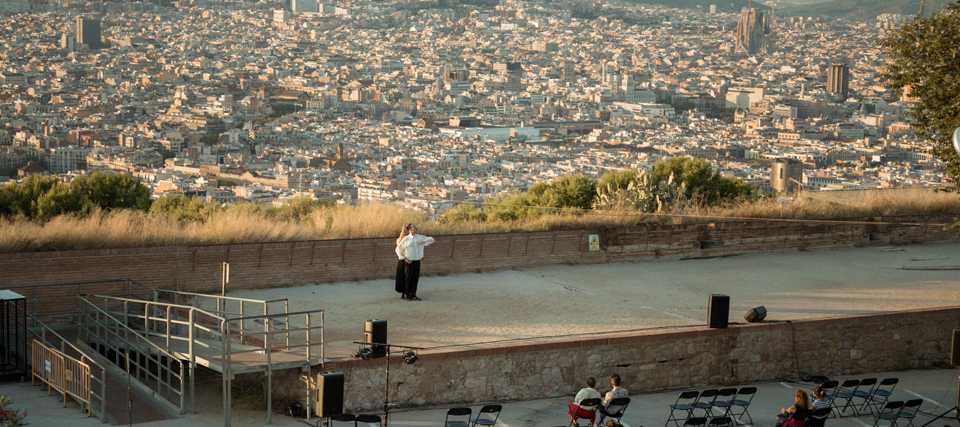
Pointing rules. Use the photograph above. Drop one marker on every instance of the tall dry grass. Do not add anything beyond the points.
(126, 228)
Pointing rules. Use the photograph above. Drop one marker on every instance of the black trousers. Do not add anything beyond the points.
(411, 276)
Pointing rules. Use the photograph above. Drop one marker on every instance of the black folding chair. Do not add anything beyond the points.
(686, 402)
(586, 405)
(707, 397)
(695, 422)
(720, 422)
(740, 402)
(489, 411)
(458, 412)
(619, 403)
(724, 399)
(910, 409)
(370, 419)
(350, 419)
(845, 394)
(889, 412)
(864, 392)
(819, 417)
(880, 394)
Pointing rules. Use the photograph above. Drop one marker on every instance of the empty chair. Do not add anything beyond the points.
(880, 394)
(889, 412)
(695, 422)
(617, 407)
(370, 419)
(724, 399)
(720, 422)
(586, 410)
(707, 397)
(350, 419)
(744, 397)
(819, 417)
(488, 415)
(864, 392)
(458, 412)
(686, 403)
(845, 395)
(909, 410)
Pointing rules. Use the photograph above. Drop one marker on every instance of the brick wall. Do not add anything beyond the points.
(254, 265)
(652, 361)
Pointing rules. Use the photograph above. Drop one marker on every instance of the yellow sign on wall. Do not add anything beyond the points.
(594, 242)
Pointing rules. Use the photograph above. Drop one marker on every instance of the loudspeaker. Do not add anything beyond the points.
(718, 311)
(375, 331)
(329, 394)
(955, 348)
(756, 314)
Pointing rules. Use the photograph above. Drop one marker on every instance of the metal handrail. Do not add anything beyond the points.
(139, 342)
(128, 285)
(44, 330)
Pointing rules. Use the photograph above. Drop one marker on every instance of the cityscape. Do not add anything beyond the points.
(427, 104)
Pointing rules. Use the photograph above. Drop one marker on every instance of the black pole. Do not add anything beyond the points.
(386, 386)
(955, 409)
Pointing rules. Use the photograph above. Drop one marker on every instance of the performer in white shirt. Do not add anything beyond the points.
(410, 251)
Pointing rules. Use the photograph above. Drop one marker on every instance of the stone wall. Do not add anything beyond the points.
(652, 361)
(257, 265)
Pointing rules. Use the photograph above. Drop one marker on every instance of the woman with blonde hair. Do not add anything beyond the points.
(401, 263)
(796, 415)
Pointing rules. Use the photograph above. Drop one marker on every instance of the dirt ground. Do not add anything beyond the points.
(565, 300)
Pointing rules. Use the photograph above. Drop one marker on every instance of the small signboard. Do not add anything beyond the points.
(68, 374)
(594, 242)
(47, 366)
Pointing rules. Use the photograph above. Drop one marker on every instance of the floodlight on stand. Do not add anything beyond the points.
(410, 357)
(956, 140)
(365, 353)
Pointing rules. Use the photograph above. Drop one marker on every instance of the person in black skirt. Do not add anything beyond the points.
(410, 250)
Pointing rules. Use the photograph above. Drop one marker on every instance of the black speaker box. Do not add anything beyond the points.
(955, 348)
(756, 314)
(329, 394)
(375, 331)
(718, 312)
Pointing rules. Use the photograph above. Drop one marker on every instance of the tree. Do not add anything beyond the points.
(702, 183)
(616, 179)
(185, 208)
(925, 64)
(113, 191)
(568, 191)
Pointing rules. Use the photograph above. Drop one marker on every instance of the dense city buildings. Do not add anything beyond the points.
(426, 104)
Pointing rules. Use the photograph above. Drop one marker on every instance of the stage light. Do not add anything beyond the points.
(365, 353)
(410, 357)
(956, 140)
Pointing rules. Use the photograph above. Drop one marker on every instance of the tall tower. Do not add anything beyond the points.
(88, 31)
(785, 174)
(753, 32)
(567, 72)
(838, 79)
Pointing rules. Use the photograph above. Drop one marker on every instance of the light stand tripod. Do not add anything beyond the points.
(956, 408)
(409, 357)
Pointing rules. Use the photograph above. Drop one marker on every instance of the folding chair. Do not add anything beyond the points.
(689, 403)
(619, 403)
(724, 399)
(720, 422)
(846, 392)
(865, 392)
(910, 409)
(369, 419)
(587, 409)
(490, 411)
(350, 419)
(458, 412)
(819, 417)
(881, 393)
(695, 422)
(747, 392)
(889, 412)
(707, 397)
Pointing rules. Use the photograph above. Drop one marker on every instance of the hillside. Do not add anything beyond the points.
(867, 9)
(722, 6)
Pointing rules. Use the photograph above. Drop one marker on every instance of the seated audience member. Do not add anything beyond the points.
(615, 393)
(821, 399)
(796, 415)
(588, 392)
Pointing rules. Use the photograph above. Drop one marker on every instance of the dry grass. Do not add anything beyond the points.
(122, 229)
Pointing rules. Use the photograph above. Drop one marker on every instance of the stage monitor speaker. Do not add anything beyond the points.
(955, 348)
(329, 394)
(718, 312)
(375, 331)
(756, 314)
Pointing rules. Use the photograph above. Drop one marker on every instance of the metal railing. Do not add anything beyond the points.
(151, 363)
(62, 303)
(95, 400)
(228, 307)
